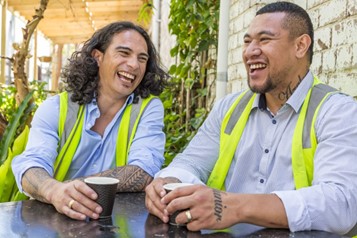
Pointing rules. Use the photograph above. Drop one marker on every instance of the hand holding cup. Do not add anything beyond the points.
(172, 218)
(106, 188)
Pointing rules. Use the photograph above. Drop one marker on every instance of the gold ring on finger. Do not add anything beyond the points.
(70, 204)
(188, 216)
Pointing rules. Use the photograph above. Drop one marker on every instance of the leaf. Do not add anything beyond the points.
(10, 131)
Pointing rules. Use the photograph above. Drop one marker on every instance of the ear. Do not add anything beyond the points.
(97, 55)
(303, 43)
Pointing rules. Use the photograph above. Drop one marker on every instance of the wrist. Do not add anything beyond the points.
(171, 180)
(47, 189)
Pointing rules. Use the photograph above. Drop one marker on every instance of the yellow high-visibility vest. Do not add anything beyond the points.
(304, 140)
(70, 127)
(70, 131)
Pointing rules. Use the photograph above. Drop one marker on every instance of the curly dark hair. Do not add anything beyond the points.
(81, 74)
(297, 20)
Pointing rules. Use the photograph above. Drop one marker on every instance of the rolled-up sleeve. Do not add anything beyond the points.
(331, 202)
(147, 149)
(41, 148)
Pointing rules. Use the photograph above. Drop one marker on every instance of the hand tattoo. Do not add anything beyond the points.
(218, 206)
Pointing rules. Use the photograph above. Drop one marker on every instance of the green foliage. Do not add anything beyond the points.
(145, 12)
(8, 95)
(19, 117)
(40, 93)
(7, 101)
(195, 25)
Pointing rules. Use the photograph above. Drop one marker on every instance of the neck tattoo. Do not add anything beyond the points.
(285, 95)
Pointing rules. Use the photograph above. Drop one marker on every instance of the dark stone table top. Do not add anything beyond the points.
(130, 219)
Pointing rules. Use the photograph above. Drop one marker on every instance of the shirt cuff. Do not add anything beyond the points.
(296, 211)
(181, 174)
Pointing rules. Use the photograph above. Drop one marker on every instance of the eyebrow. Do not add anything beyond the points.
(129, 49)
(261, 33)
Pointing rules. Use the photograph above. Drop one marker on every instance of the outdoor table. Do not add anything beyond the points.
(130, 218)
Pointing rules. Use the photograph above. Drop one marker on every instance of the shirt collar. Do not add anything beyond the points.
(93, 104)
(297, 98)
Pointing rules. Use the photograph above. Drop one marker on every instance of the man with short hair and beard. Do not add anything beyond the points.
(280, 155)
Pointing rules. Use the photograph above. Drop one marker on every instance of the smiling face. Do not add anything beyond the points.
(270, 54)
(123, 64)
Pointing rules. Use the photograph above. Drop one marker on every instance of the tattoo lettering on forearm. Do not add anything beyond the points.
(131, 178)
(284, 96)
(218, 206)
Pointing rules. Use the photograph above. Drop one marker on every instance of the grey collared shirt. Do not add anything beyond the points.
(262, 161)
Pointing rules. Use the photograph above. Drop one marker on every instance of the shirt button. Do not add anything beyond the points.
(274, 121)
(266, 151)
(261, 180)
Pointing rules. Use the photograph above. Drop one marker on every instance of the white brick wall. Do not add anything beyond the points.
(335, 49)
(335, 45)
(167, 41)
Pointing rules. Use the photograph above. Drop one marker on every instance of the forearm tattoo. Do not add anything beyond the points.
(131, 178)
(218, 205)
(33, 180)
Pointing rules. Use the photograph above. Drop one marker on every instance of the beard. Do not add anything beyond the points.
(265, 88)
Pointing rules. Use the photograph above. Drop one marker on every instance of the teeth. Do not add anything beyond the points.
(257, 66)
(126, 75)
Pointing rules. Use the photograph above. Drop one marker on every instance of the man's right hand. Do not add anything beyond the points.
(154, 193)
(74, 198)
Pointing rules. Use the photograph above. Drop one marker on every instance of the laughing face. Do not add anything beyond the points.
(123, 64)
(269, 54)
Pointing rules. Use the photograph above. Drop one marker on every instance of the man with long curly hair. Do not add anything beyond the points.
(111, 88)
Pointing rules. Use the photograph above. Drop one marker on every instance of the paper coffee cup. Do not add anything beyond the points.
(168, 188)
(106, 188)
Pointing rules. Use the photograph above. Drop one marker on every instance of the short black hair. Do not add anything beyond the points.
(297, 21)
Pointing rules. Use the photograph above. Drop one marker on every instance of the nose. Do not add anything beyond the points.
(133, 62)
(251, 50)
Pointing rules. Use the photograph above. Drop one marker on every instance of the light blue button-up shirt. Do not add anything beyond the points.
(95, 153)
(262, 162)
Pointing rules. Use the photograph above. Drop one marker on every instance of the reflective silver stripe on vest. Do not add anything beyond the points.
(72, 111)
(319, 91)
(135, 109)
(238, 112)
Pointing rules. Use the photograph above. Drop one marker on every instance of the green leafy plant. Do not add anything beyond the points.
(145, 12)
(8, 94)
(17, 120)
(7, 101)
(195, 25)
(18, 117)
